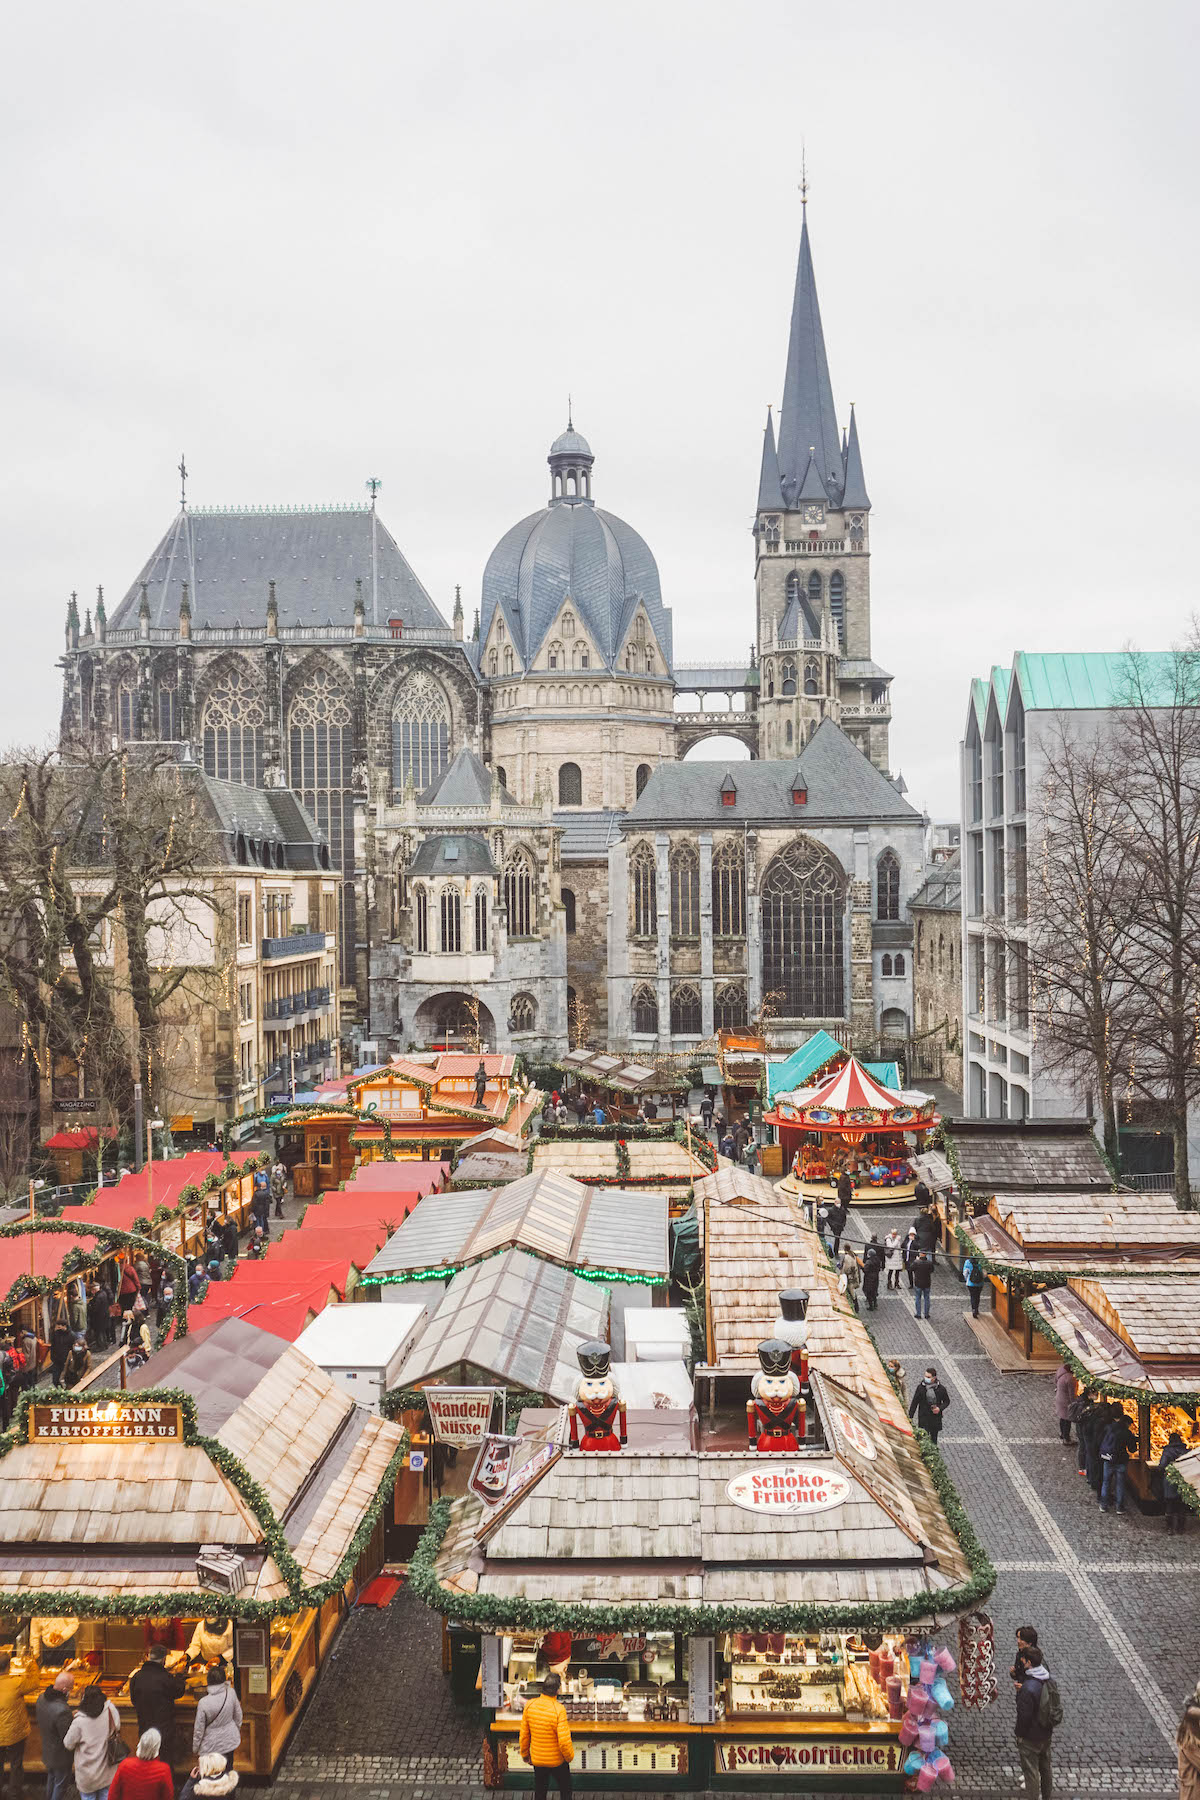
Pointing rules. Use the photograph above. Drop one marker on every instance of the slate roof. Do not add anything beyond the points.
(799, 620)
(808, 417)
(586, 835)
(314, 559)
(262, 816)
(770, 494)
(941, 889)
(841, 783)
(465, 783)
(856, 487)
(457, 853)
(861, 668)
(572, 548)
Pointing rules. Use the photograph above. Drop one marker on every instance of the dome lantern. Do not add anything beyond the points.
(570, 462)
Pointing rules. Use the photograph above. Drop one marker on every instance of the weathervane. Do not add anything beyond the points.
(803, 176)
(373, 486)
(183, 475)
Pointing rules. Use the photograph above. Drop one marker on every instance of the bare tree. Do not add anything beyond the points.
(15, 1147)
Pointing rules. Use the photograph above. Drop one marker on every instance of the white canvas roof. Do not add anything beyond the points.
(361, 1336)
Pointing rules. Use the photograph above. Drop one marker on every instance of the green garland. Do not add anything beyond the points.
(291, 1114)
(608, 1133)
(115, 1239)
(1183, 1487)
(950, 1151)
(251, 1492)
(401, 1400)
(1119, 1390)
(496, 1612)
(1041, 1279)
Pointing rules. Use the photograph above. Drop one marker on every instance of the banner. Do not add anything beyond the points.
(460, 1416)
(774, 1756)
(111, 1422)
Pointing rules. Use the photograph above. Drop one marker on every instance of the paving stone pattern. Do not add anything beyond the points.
(1116, 1603)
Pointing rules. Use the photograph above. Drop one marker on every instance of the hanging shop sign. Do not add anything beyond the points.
(856, 1435)
(112, 1422)
(771, 1757)
(788, 1488)
(460, 1416)
(493, 1466)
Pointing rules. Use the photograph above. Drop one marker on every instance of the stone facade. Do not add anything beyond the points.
(936, 914)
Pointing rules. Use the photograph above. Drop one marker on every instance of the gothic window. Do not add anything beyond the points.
(649, 662)
(493, 663)
(522, 1015)
(508, 660)
(729, 1008)
(887, 886)
(685, 892)
(898, 965)
(518, 895)
(812, 678)
(167, 715)
(885, 967)
(501, 777)
(729, 890)
(630, 659)
(814, 594)
(645, 1011)
(128, 720)
(499, 631)
(421, 907)
(232, 729)
(399, 898)
(420, 732)
(554, 657)
(837, 604)
(321, 751)
(770, 680)
(451, 921)
(639, 628)
(568, 900)
(685, 1011)
(481, 919)
(641, 778)
(920, 942)
(788, 678)
(787, 731)
(804, 932)
(570, 785)
(643, 887)
(568, 625)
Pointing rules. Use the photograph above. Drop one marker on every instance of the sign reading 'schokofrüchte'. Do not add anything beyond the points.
(458, 1415)
(775, 1756)
(107, 1422)
(773, 1486)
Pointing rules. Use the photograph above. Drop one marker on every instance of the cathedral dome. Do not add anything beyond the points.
(572, 549)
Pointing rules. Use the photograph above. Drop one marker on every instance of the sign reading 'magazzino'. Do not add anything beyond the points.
(106, 1422)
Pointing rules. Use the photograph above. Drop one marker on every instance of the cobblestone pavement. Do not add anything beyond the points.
(1116, 1602)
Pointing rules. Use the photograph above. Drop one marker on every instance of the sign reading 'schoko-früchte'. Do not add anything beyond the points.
(108, 1422)
(787, 1487)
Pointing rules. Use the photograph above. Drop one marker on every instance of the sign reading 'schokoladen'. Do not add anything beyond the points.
(107, 1422)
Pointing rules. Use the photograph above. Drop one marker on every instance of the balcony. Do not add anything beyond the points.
(300, 943)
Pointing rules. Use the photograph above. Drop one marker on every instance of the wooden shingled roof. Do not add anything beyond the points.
(1124, 1331)
(756, 1242)
(998, 1156)
(1077, 1233)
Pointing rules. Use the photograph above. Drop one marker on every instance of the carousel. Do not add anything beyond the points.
(849, 1124)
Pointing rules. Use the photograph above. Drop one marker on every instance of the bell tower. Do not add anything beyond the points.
(812, 557)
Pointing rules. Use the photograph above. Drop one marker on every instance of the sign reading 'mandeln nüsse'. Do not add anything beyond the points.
(108, 1422)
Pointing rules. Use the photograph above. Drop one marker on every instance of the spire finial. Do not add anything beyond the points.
(570, 420)
(803, 176)
(183, 475)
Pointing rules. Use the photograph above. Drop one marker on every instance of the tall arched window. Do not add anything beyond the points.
(729, 890)
(685, 1011)
(804, 933)
(128, 714)
(522, 1014)
(788, 674)
(568, 900)
(570, 785)
(232, 729)
(685, 892)
(643, 888)
(518, 895)
(508, 659)
(645, 1010)
(814, 594)
(885, 964)
(920, 942)
(568, 625)
(321, 754)
(420, 732)
(812, 678)
(898, 964)
(493, 663)
(481, 919)
(837, 604)
(729, 1007)
(887, 886)
(641, 778)
(554, 657)
(168, 714)
(421, 921)
(451, 921)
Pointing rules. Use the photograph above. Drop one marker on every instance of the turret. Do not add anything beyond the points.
(73, 622)
(273, 611)
(570, 462)
(101, 616)
(458, 614)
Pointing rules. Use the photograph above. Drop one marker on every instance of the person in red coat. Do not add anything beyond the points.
(144, 1775)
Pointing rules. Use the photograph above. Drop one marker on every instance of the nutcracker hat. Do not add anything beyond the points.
(793, 1305)
(595, 1358)
(774, 1357)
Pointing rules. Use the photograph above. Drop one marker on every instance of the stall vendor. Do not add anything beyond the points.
(52, 1641)
(212, 1640)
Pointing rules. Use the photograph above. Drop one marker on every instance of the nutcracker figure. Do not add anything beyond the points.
(775, 1414)
(596, 1406)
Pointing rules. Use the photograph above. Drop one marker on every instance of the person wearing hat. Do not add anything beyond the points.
(53, 1715)
(154, 1691)
(545, 1741)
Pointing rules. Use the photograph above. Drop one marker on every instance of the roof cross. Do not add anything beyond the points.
(183, 475)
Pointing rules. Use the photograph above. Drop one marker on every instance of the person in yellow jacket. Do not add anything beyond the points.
(546, 1740)
(14, 1720)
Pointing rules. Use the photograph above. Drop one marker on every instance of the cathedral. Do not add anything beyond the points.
(522, 849)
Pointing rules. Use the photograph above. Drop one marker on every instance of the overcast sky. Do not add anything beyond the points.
(312, 243)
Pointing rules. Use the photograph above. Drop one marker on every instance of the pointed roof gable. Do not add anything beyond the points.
(770, 494)
(465, 783)
(813, 486)
(856, 487)
(808, 413)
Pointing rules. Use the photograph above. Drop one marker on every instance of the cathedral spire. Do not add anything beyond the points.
(808, 416)
(770, 495)
(856, 487)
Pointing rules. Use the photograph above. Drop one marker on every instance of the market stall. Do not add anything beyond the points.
(976, 1159)
(110, 1507)
(1134, 1339)
(850, 1124)
(1030, 1241)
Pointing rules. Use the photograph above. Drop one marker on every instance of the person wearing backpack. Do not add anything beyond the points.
(1039, 1710)
(1116, 1446)
(972, 1276)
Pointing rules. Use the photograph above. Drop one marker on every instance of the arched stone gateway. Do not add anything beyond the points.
(693, 728)
(453, 1021)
